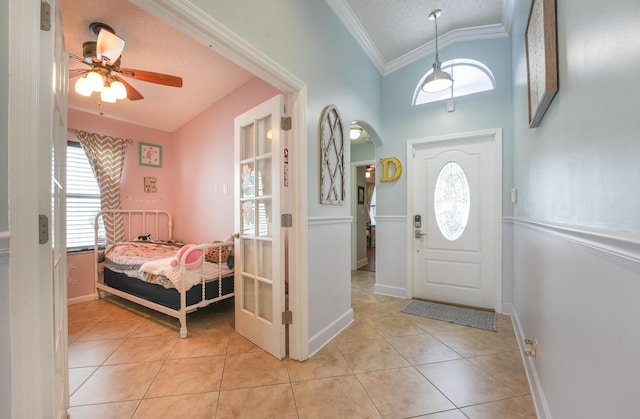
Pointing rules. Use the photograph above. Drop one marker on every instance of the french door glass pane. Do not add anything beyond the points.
(265, 303)
(248, 180)
(264, 177)
(248, 218)
(248, 254)
(264, 217)
(265, 270)
(248, 143)
(248, 294)
(264, 135)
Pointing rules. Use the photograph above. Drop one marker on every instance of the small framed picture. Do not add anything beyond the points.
(150, 184)
(360, 195)
(149, 155)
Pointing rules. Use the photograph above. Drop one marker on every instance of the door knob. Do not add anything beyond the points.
(419, 234)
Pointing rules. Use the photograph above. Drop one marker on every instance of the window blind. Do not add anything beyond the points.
(83, 201)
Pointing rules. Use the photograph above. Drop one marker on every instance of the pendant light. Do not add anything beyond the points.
(438, 80)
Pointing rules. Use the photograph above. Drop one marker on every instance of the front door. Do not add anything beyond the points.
(456, 186)
(259, 249)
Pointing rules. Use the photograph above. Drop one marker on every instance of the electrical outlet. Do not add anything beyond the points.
(531, 347)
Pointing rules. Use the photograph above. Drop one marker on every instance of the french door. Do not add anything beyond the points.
(259, 248)
(456, 194)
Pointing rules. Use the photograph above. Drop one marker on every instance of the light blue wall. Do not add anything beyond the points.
(363, 152)
(402, 121)
(307, 39)
(580, 169)
(582, 164)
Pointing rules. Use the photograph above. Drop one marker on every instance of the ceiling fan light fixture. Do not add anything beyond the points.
(119, 91)
(107, 95)
(82, 87)
(438, 80)
(95, 81)
(109, 46)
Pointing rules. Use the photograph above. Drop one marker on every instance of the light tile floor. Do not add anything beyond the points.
(128, 362)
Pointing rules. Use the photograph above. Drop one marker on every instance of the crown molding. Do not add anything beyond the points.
(344, 12)
(448, 39)
(508, 7)
(186, 16)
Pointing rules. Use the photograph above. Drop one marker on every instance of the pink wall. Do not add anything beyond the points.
(204, 213)
(132, 193)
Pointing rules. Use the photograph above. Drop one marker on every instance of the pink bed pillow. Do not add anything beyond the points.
(194, 259)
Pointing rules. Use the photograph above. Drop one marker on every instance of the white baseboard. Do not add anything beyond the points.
(362, 262)
(321, 339)
(391, 291)
(81, 299)
(539, 401)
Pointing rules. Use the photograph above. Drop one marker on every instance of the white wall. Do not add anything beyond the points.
(4, 112)
(5, 319)
(5, 328)
(576, 292)
(578, 171)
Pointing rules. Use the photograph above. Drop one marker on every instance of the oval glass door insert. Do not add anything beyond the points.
(452, 201)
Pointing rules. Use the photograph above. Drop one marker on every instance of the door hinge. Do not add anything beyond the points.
(45, 16)
(287, 317)
(286, 220)
(285, 123)
(43, 229)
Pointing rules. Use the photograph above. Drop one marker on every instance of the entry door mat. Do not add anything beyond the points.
(460, 315)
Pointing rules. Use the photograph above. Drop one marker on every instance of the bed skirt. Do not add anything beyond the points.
(163, 296)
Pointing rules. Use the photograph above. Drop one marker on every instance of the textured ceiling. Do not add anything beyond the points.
(155, 46)
(397, 27)
(392, 33)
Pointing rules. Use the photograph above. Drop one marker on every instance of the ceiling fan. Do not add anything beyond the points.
(104, 75)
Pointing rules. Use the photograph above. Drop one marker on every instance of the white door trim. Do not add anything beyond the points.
(354, 209)
(188, 18)
(410, 149)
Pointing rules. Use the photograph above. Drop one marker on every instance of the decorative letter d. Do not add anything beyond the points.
(397, 169)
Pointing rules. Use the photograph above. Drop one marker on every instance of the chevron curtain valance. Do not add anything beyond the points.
(106, 156)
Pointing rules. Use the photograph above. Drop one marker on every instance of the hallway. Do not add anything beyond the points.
(128, 362)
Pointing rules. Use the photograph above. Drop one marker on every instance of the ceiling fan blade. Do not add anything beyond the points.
(132, 93)
(75, 72)
(152, 77)
(109, 46)
(76, 58)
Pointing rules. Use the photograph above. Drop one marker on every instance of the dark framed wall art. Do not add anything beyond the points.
(360, 194)
(542, 58)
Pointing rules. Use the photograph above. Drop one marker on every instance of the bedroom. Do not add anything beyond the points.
(191, 127)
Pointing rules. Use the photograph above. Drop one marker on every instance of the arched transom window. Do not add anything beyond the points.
(469, 76)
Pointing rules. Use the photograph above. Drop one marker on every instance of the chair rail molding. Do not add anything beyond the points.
(619, 244)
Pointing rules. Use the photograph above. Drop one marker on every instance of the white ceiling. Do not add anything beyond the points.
(393, 33)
